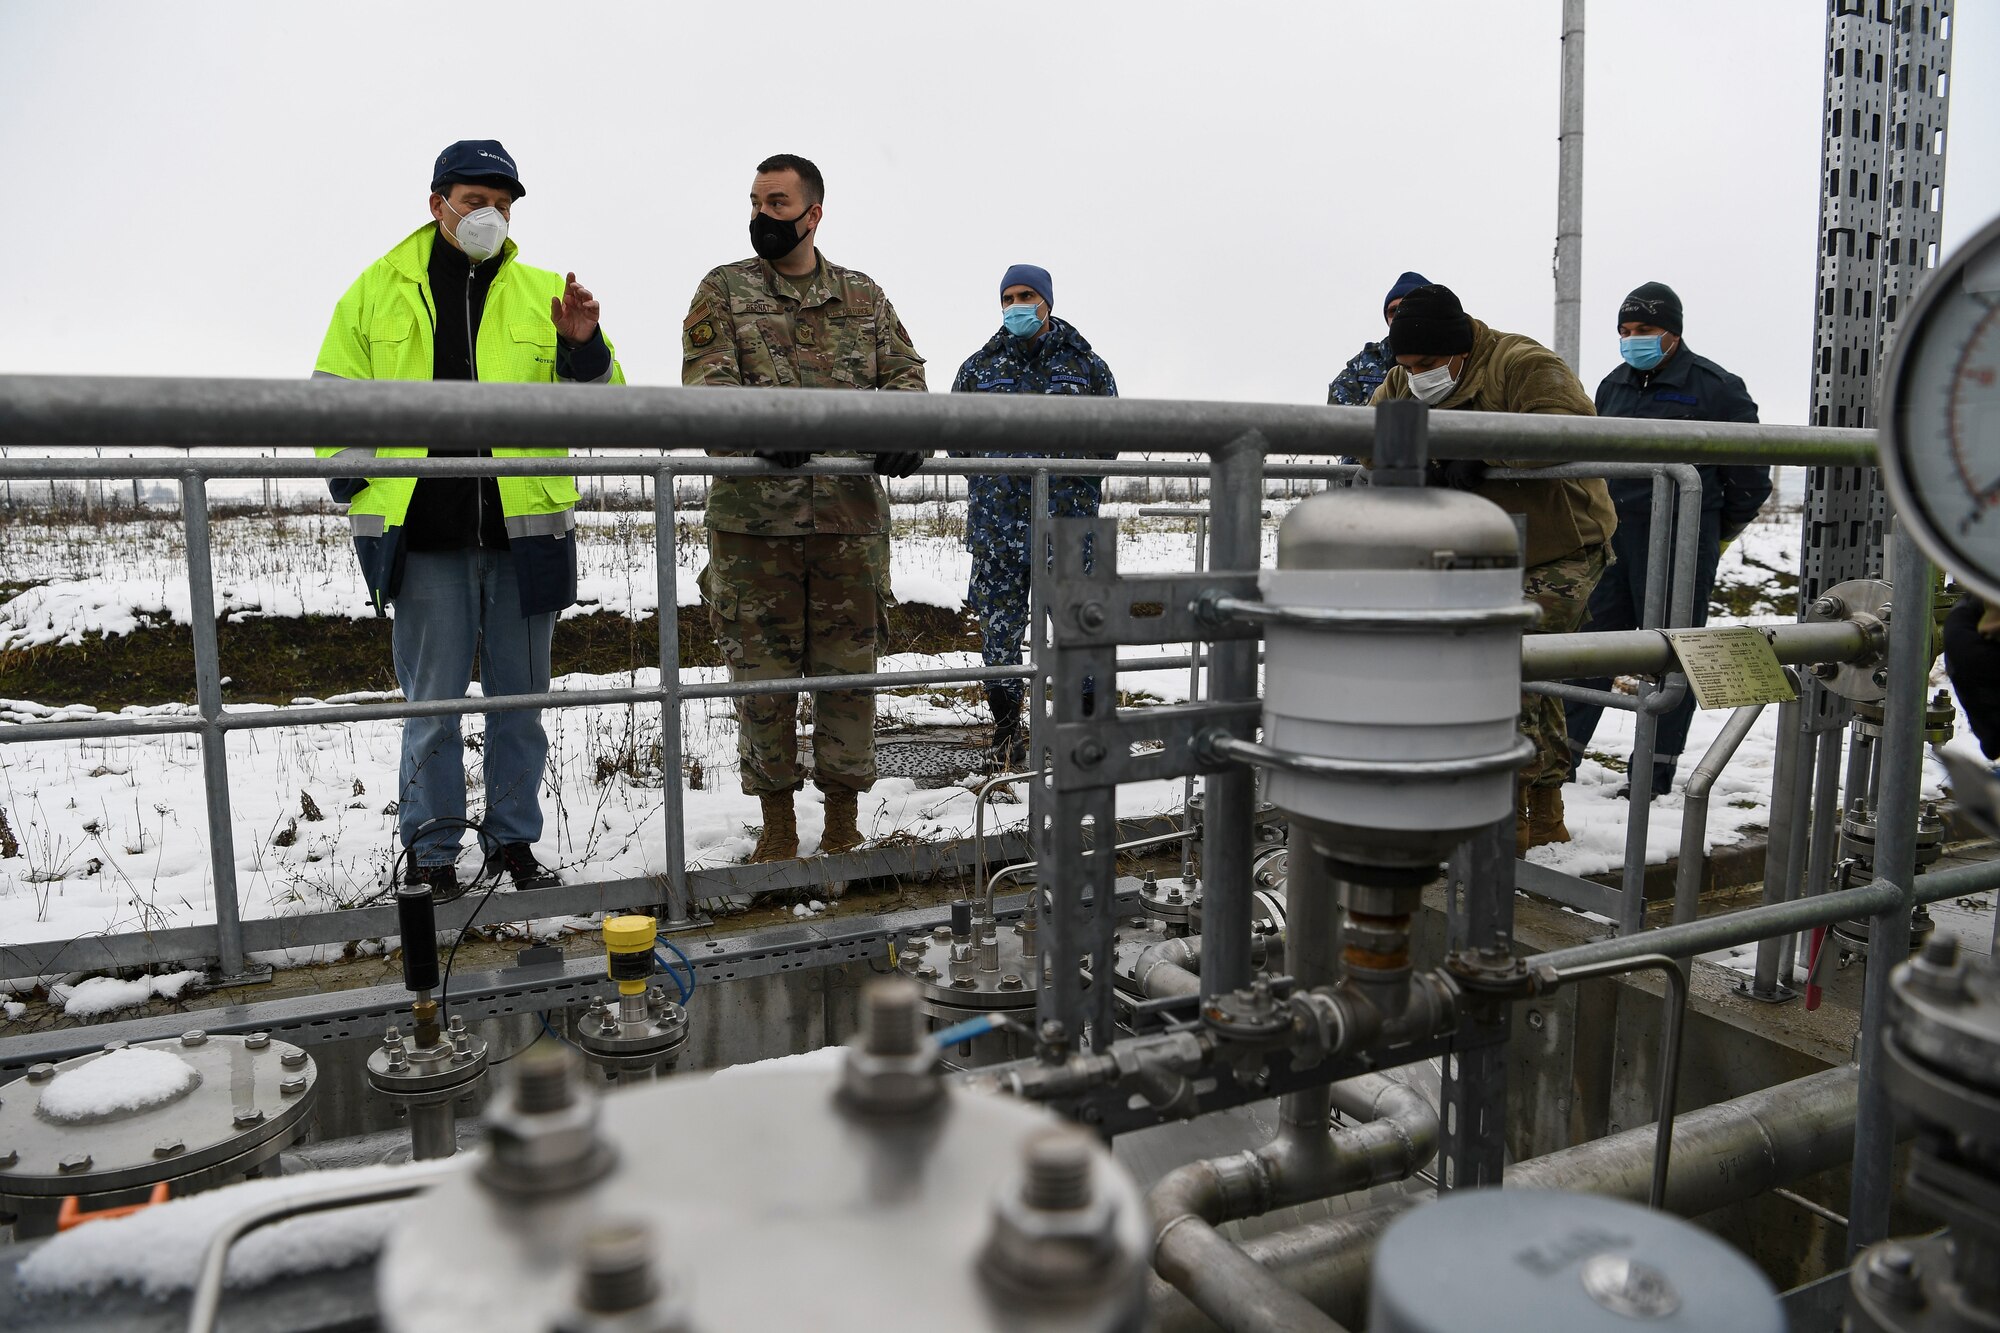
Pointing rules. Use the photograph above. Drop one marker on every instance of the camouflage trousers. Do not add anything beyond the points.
(800, 606)
(998, 594)
(1562, 589)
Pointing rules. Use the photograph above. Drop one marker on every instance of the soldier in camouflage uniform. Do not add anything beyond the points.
(1456, 363)
(797, 582)
(1033, 352)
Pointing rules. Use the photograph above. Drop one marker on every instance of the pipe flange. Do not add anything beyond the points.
(1251, 1014)
(1491, 972)
(1865, 604)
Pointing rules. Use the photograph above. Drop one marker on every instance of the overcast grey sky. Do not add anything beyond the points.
(1222, 192)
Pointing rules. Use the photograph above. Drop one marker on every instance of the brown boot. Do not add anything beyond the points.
(843, 833)
(780, 841)
(1545, 816)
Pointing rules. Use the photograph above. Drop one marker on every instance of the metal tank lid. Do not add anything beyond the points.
(246, 1093)
(1561, 1263)
(1382, 527)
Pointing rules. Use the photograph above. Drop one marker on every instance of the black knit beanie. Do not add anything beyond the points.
(1431, 322)
(1654, 303)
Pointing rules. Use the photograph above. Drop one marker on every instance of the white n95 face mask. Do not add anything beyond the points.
(480, 233)
(1433, 385)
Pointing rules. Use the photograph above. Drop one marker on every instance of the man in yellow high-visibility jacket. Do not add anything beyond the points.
(469, 564)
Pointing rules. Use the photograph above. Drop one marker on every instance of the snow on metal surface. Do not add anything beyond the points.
(117, 1083)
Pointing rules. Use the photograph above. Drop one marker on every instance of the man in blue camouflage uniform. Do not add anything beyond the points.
(1033, 352)
(1356, 384)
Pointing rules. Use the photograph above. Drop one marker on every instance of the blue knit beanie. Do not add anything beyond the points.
(1033, 276)
(1404, 285)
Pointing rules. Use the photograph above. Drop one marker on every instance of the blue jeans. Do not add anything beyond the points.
(451, 604)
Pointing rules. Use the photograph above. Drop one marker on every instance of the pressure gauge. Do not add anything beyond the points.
(1940, 440)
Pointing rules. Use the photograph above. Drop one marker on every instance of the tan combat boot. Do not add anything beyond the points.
(1545, 816)
(843, 833)
(780, 841)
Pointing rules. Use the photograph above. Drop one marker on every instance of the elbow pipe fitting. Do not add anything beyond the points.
(1170, 967)
(1307, 1160)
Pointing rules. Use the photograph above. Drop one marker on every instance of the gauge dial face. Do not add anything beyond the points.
(1941, 448)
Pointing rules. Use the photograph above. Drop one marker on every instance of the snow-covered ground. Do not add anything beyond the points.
(112, 833)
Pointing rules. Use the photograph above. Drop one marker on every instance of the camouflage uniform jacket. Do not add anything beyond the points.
(1357, 382)
(1061, 363)
(1511, 372)
(750, 325)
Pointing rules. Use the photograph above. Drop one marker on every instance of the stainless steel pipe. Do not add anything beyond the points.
(1722, 1154)
(1308, 1160)
(1622, 652)
(94, 411)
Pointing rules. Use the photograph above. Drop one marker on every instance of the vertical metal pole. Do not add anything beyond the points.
(1194, 693)
(1902, 755)
(1473, 1094)
(1312, 953)
(1765, 983)
(1038, 684)
(1825, 816)
(230, 967)
(1645, 723)
(1235, 498)
(1569, 190)
(666, 556)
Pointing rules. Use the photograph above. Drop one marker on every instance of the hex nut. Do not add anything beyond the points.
(168, 1147)
(257, 1041)
(194, 1038)
(1054, 1251)
(75, 1162)
(8, 1157)
(292, 1059)
(1892, 1272)
(117, 1045)
(247, 1116)
(41, 1073)
(291, 1087)
(541, 1133)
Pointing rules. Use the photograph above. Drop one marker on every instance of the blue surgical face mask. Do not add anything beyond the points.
(1643, 353)
(1021, 321)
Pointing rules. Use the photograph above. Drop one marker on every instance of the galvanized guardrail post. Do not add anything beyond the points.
(680, 913)
(1230, 799)
(1901, 778)
(231, 967)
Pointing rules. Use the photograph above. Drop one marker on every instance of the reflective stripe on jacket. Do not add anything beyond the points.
(382, 329)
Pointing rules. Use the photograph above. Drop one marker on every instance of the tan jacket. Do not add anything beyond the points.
(1510, 372)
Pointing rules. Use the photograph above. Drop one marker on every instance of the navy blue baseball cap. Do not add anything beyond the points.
(476, 162)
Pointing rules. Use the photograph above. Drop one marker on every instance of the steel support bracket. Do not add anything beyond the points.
(1094, 612)
(1143, 745)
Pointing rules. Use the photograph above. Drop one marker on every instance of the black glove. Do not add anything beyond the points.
(1458, 474)
(898, 465)
(785, 457)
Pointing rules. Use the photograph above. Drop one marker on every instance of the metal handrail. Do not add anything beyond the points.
(87, 411)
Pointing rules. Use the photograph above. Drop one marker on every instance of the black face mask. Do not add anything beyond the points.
(774, 238)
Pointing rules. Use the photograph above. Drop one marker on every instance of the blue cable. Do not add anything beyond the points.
(968, 1030)
(686, 988)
